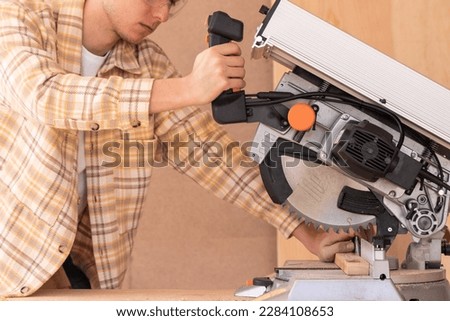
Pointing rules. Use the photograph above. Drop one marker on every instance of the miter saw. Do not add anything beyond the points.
(349, 139)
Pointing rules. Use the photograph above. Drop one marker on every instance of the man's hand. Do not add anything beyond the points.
(215, 70)
(324, 244)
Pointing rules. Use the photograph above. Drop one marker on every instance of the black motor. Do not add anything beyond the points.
(368, 152)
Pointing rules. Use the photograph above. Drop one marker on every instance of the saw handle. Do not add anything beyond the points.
(229, 107)
(222, 29)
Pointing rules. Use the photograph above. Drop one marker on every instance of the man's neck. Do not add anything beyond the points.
(98, 36)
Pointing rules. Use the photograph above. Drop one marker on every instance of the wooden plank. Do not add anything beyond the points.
(352, 264)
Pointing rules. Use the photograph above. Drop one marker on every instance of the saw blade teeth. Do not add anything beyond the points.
(336, 229)
(318, 225)
(305, 219)
(308, 221)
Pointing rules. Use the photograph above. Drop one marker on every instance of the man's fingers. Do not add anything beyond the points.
(235, 61)
(334, 237)
(228, 49)
(342, 247)
(236, 83)
(232, 65)
(329, 252)
(233, 72)
(337, 243)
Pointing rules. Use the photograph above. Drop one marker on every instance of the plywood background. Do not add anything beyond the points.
(188, 239)
(414, 32)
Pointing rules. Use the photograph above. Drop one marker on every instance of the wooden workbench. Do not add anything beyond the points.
(131, 295)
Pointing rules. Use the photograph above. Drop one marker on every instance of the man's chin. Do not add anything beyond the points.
(135, 39)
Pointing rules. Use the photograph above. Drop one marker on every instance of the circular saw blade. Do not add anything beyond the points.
(316, 189)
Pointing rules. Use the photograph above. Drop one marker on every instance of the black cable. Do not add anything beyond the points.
(438, 164)
(342, 99)
(434, 179)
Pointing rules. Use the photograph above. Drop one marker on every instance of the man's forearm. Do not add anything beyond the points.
(169, 94)
(216, 69)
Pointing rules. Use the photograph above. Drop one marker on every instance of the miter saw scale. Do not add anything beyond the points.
(335, 144)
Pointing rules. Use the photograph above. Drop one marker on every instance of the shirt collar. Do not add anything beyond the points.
(123, 55)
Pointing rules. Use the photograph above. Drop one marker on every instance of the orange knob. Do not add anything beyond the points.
(301, 117)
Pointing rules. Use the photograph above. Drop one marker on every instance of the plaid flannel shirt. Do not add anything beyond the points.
(44, 102)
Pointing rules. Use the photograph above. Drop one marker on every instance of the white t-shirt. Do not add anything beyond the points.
(90, 64)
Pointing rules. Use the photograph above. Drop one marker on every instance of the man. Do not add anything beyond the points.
(79, 75)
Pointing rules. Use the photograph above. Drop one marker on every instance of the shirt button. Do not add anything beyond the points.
(24, 290)
(95, 126)
(62, 249)
(135, 123)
